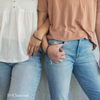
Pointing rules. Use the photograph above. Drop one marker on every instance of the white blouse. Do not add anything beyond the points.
(18, 22)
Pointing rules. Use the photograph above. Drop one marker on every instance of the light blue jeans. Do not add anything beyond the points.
(19, 81)
(80, 60)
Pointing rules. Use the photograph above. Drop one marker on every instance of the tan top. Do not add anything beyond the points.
(71, 19)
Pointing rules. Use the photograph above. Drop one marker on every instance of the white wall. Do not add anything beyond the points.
(76, 93)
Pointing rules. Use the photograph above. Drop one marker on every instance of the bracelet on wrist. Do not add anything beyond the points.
(37, 38)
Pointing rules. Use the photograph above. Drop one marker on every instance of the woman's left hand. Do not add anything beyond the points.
(33, 46)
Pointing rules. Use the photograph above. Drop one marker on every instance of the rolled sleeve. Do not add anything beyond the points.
(43, 5)
(98, 6)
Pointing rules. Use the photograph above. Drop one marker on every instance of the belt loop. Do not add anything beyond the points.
(63, 42)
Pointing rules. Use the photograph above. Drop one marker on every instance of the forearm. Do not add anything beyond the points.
(98, 29)
(35, 41)
(43, 24)
(43, 29)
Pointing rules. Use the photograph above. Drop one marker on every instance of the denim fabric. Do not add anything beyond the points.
(80, 60)
(19, 81)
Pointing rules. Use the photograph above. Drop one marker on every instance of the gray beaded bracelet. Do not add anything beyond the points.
(37, 38)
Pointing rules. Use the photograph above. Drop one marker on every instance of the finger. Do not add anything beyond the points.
(62, 53)
(59, 60)
(28, 49)
(34, 53)
(62, 57)
(37, 48)
(31, 51)
(61, 50)
(56, 62)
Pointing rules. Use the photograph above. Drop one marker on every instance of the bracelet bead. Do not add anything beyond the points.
(37, 38)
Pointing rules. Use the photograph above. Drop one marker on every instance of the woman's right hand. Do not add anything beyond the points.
(53, 52)
(34, 45)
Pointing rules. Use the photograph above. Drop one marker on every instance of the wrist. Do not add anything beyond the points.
(39, 35)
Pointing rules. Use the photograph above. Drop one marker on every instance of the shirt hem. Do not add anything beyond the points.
(17, 61)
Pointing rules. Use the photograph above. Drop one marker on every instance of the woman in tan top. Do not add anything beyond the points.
(70, 46)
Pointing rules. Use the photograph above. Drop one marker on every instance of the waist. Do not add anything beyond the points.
(82, 44)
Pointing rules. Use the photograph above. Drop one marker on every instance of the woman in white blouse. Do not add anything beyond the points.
(20, 71)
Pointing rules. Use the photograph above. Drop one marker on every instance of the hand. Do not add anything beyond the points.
(33, 46)
(54, 54)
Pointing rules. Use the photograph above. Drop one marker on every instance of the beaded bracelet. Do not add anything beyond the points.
(37, 38)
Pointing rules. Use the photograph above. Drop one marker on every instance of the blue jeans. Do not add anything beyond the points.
(19, 81)
(80, 60)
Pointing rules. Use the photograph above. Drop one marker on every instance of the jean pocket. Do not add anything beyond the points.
(90, 44)
(55, 42)
(87, 45)
(88, 41)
